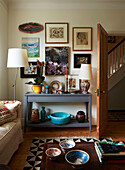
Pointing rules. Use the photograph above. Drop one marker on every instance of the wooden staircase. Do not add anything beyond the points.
(116, 72)
(116, 64)
(116, 58)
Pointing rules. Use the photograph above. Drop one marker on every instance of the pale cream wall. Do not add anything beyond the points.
(3, 51)
(111, 20)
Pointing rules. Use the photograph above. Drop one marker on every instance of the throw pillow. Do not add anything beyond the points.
(5, 114)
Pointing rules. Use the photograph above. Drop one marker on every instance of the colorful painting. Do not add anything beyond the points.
(27, 72)
(32, 46)
(57, 59)
(30, 27)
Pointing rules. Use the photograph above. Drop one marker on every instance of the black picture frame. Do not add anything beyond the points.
(30, 75)
(81, 59)
(111, 39)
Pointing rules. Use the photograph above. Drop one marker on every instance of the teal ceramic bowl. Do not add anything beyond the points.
(60, 118)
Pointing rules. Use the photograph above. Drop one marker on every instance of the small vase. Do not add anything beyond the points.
(80, 117)
(43, 114)
(85, 86)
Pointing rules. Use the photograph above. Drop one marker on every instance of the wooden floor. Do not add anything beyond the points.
(116, 130)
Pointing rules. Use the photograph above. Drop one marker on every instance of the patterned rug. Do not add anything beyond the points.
(35, 154)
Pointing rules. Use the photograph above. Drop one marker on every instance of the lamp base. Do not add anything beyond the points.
(85, 86)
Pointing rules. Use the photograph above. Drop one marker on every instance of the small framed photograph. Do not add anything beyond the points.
(32, 46)
(56, 33)
(57, 59)
(81, 59)
(73, 82)
(82, 39)
(111, 39)
(26, 72)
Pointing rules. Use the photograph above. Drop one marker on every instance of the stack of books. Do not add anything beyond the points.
(110, 152)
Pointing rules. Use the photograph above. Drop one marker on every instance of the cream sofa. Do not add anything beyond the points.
(10, 133)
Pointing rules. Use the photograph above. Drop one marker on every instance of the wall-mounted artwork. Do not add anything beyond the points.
(32, 46)
(30, 27)
(27, 72)
(111, 39)
(81, 59)
(56, 33)
(57, 59)
(82, 39)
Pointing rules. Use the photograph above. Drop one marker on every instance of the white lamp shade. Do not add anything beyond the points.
(17, 57)
(85, 72)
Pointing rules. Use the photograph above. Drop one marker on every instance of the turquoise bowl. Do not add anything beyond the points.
(77, 158)
(60, 118)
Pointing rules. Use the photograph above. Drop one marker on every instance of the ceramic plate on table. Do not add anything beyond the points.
(55, 85)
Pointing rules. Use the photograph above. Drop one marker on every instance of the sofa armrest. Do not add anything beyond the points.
(15, 107)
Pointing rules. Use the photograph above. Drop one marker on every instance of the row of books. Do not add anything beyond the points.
(110, 152)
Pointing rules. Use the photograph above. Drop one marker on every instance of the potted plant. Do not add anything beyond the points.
(37, 84)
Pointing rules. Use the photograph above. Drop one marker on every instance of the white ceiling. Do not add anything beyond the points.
(58, 1)
(67, 4)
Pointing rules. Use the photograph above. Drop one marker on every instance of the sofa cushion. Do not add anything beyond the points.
(5, 114)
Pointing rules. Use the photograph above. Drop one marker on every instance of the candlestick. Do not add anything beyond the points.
(66, 79)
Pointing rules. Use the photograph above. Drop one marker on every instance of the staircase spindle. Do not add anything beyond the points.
(116, 58)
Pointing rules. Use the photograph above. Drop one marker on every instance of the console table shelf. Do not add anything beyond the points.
(48, 123)
(29, 98)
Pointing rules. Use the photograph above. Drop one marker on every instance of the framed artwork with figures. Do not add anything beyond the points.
(56, 33)
(82, 38)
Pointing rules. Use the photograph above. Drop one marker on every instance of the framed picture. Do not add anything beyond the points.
(111, 39)
(57, 59)
(56, 33)
(81, 59)
(26, 72)
(82, 39)
(73, 82)
(32, 46)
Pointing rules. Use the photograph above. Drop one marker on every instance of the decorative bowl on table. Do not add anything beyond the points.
(67, 144)
(53, 153)
(60, 118)
(77, 158)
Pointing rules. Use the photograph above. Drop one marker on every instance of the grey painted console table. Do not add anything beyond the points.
(29, 98)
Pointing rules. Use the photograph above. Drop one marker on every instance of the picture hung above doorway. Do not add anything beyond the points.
(30, 27)
(82, 38)
(32, 46)
(56, 33)
(81, 59)
(57, 59)
(27, 72)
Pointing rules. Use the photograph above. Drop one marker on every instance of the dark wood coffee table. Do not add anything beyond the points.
(61, 164)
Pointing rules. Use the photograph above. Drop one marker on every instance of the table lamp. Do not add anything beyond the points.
(85, 74)
(17, 57)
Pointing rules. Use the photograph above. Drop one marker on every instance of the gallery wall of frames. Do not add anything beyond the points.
(57, 51)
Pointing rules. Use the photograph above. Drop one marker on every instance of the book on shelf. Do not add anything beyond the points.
(110, 152)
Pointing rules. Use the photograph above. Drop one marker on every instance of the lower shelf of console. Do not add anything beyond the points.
(48, 123)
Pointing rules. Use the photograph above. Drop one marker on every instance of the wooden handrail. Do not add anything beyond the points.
(116, 58)
(116, 46)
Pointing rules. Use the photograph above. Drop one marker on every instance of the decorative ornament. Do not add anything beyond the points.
(30, 27)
